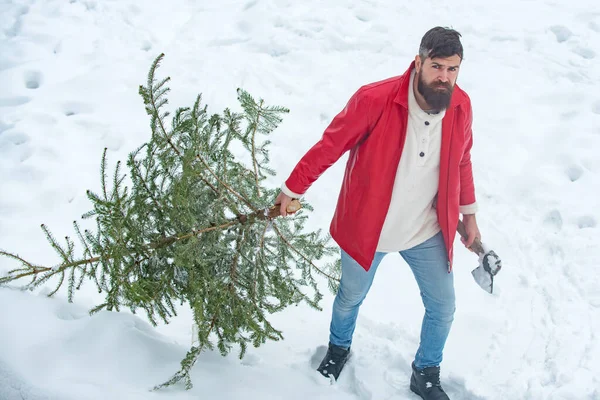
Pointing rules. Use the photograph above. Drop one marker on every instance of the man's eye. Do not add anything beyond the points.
(452, 69)
(436, 66)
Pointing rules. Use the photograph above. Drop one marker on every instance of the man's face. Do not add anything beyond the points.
(436, 79)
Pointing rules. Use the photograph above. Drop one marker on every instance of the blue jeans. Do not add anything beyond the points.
(429, 264)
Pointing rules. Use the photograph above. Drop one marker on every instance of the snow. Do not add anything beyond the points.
(69, 73)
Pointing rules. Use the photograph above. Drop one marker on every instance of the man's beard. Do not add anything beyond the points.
(434, 95)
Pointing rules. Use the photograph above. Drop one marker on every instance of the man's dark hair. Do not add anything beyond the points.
(440, 42)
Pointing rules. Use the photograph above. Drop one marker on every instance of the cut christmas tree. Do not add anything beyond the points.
(192, 223)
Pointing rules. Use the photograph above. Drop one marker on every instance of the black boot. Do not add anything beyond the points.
(334, 361)
(426, 383)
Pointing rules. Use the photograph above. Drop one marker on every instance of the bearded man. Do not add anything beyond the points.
(407, 179)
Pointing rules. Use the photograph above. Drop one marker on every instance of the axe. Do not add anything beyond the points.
(489, 262)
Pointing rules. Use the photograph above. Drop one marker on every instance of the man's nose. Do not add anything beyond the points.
(443, 76)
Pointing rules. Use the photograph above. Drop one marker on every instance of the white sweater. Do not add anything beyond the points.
(411, 218)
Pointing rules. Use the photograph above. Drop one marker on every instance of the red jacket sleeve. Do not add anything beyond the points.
(344, 132)
(467, 186)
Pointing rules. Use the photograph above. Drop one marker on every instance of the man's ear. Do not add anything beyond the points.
(418, 62)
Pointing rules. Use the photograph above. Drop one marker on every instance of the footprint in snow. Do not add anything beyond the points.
(16, 138)
(586, 221)
(562, 33)
(250, 4)
(397, 374)
(14, 145)
(75, 108)
(317, 356)
(90, 5)
(146, 46)
(15, 29)
(57, 47)
(584, 52)
(574, 172)
(33, 79)
(362, 18)
(554, 218)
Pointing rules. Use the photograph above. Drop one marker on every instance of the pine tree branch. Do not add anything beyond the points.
(81, 238)
(35, 270)
(254, 162)
(166, 241)
(145, 185)
(210, 185)
(218, 193)
(160, 121)
(260, 249)
(262, 238)
(302, 255)
(234, 264)
(18, 258)
(239, 196)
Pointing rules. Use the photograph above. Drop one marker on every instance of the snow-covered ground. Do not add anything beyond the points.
(69, 73)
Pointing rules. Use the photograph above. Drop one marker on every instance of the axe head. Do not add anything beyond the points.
(489, 265)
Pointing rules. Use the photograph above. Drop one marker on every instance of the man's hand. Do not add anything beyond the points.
(471, 229)
(283, 200)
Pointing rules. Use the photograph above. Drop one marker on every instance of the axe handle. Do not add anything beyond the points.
(476, 246)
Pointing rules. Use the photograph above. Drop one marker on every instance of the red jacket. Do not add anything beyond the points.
(373, 127)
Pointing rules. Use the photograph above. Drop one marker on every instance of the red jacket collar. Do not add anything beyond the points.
(458, 96)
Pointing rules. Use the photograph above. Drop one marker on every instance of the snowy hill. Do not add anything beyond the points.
(69, 73)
